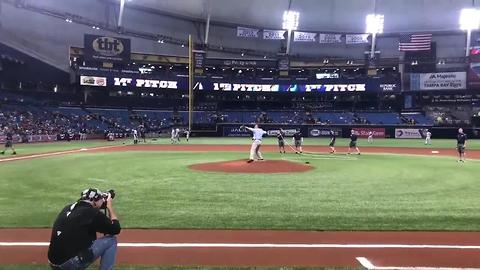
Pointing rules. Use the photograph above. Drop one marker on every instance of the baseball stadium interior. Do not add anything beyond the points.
(40, 82)
(99, 70)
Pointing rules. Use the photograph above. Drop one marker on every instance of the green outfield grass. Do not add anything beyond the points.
(157, 190)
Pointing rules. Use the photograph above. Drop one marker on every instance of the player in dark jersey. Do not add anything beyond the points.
(8, 142)
(281, 141)
(298, 140)
(353, 142)
(461, 144)
(333, 138)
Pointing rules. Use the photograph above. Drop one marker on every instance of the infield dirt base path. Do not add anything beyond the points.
(285, 248)
(470, 154)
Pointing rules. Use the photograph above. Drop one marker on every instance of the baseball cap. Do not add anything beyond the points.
(91, 194)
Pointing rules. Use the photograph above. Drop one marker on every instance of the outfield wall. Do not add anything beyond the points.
(312, 131)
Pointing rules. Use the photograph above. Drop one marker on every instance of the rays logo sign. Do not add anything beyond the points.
(101, 48)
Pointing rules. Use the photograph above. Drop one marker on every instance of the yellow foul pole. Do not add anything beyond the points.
(190, 82)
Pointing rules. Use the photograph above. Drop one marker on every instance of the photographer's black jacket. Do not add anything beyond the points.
(75, 230)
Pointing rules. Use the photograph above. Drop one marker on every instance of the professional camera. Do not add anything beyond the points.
(111, 192)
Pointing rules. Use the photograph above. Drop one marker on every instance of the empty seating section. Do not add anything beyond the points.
(381, 118)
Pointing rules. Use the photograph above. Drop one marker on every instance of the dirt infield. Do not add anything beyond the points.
(267, 248)
(472, 154)
(241, 166)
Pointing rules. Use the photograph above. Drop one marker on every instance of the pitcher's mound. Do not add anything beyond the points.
(241, 166)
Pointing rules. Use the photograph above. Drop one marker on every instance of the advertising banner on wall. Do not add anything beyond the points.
(107, 49)
(229, 131)
(93, 81)
(363, 132)
(474, 75)
(438, 81)
(247, 32)
(207, 84)
(288, 132)
(274, 34)
(323, 131)
(408, 133)
(356, 39)
(304, 36)
(330, 38)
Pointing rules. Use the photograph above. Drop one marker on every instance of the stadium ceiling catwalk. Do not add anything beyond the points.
(326, 15)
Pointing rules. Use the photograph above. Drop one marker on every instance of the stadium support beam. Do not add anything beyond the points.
(207, 29)
(120, 15)
(190, 82)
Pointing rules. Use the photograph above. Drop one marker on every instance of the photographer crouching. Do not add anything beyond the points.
(74, 244)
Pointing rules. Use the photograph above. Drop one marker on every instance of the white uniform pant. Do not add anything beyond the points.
(255, 150)
(428, 140)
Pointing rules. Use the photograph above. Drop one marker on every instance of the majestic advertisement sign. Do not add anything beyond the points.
(408, 133)
(93, 81)
(363, 132)
(108, 49)
(438, 81)
(323, 132)
(320, 86)
(474, 75)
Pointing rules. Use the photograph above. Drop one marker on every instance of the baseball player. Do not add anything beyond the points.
(281, 141)
(428, 137)
(461, 144)
(187, 133)
(8, 142)
(255, 153)
(298, 140)
(135, 136)
(333, 138)
(177, 135)
(370, 137)
(353, 142)
(172, 138)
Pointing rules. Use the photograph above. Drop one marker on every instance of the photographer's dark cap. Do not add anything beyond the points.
(91, 194)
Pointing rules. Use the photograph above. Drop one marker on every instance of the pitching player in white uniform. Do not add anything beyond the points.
(428, 138)
(370, 137)
(255, 153)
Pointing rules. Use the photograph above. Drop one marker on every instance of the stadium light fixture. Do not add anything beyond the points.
(290, 20)
(375, 23)
(469, 19)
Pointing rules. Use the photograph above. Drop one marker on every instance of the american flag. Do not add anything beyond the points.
(415, 42)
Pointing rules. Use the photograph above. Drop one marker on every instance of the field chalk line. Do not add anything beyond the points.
(57, 153)
(264, 245)
(370, 266)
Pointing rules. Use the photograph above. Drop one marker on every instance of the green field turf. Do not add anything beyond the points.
(157, 190)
